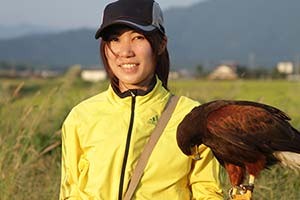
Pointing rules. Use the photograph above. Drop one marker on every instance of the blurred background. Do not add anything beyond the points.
(219, 49)
(254, 38)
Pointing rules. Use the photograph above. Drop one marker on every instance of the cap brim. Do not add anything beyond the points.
(133, 25)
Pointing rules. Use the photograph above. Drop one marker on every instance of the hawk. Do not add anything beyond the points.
(246, 137)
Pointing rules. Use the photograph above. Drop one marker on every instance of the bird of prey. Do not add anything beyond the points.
(245, 137)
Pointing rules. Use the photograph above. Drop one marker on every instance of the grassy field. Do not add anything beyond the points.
(32, 111)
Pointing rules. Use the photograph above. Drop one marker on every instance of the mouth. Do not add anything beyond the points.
(128, 65)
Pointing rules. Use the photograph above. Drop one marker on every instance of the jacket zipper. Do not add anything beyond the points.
(127, 147)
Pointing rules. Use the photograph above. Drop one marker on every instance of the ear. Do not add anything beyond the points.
(163, 45)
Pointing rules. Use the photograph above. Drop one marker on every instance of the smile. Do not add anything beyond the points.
(128, 66)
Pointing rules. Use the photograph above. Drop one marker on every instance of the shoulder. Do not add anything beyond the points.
(186, 103)
(87, 107)
(184, 106)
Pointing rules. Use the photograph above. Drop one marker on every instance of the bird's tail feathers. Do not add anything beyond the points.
(289, 159)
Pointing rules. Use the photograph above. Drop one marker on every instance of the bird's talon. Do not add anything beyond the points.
(245, 188)
(233, 191)
(242, 192)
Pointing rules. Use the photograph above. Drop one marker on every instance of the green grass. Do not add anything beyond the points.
(32, 112)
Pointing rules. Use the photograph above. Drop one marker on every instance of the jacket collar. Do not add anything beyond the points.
(156, 94)
(135, 92)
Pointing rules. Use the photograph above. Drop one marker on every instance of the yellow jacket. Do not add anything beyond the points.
(96, 164)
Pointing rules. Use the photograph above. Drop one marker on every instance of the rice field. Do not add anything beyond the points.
(32, 112)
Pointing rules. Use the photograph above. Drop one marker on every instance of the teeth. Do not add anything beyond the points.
(128, 65)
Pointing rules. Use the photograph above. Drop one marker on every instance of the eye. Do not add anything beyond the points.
(114, 39)
(138, 37)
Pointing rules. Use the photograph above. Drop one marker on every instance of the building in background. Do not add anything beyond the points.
(93, 75)
(223, 72)
(285, 68)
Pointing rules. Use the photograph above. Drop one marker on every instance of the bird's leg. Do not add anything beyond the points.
(195, 152)
(240, 193)
(233, 191)
(246, 190)
(236, 175)
(251, 179)
(250, 186)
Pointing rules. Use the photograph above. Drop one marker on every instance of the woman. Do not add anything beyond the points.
(104, 136)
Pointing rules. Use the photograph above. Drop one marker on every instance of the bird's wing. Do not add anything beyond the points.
(249, 127)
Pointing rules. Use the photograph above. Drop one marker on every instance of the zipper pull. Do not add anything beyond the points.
(132, 94)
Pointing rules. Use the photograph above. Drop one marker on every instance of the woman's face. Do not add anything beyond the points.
(131, 59)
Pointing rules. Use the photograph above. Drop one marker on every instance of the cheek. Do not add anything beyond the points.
(148, 55)
(148, 51)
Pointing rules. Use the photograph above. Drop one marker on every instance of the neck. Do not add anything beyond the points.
(137, 91)
(144, 85)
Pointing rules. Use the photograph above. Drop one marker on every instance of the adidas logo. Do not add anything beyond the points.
(153, 120)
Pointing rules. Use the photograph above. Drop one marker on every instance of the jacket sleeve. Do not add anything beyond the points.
(70, 157)
(204, 178)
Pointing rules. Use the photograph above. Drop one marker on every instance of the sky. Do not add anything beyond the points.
(63, 14)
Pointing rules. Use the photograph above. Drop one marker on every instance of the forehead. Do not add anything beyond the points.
(117, 30)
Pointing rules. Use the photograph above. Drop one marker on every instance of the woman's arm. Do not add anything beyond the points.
(71, 152)
(204, 177)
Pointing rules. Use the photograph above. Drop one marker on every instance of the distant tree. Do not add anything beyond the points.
(253, 73)
(199, 72)
(275, 74)
(5, 65)
(261, 72)
(242, 71)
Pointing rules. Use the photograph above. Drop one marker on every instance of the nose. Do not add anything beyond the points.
(125, 49)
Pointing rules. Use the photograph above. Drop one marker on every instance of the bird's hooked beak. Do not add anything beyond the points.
(195, 152)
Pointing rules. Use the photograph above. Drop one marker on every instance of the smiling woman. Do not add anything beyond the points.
(103, 137)
(130, 57)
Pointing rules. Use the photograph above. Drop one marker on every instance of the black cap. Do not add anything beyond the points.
(143, 15)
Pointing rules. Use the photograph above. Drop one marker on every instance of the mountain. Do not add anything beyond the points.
(65, 48)
(250, 32)
(13, 31)
(259, 31)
